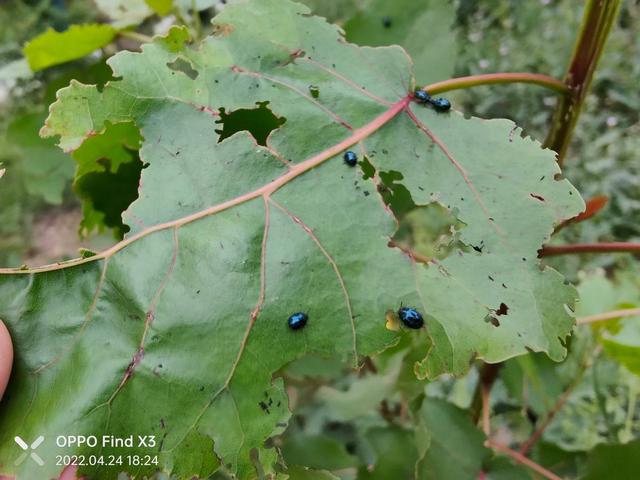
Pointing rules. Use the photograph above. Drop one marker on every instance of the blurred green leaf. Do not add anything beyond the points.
(318, 451)
(46, 170)
(161, 7)
(613, 462)
(423, 27)
(450, 447)
(125, 13)
(52, 48)
(296, 472)
(395, 454)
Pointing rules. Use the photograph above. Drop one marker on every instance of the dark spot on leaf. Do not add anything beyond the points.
(542, 178)
(259, 122)
(264, 407)
(385, 151)
(197, 292)
(386, 22)
(502, 310)
(478, 248)
(489, 318)
(281, 424)
(366, 193)
(504, 286)
(524, 259)
(537, 197)
(490, 278)
(184, 66)
(202, 388)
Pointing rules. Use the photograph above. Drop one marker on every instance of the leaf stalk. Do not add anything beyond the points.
(496, 78)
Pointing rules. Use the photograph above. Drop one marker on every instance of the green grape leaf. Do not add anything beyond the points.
(178, 331)
(53, 48)
(449, 445)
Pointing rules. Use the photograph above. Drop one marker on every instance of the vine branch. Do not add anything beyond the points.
(138, 37)
(627, 312)
(518, 457)
(597, 20)
(494, 78)
(605, 247)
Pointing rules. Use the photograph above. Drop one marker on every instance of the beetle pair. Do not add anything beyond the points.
(410, 317)
(440, 104)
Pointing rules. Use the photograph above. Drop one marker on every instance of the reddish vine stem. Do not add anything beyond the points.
(606, 247)
(494, 78)
(518, 457)
(627, 312)
(597, 20)
(535, 436)
(488, 375)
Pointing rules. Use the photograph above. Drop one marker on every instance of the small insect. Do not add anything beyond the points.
(350, 158)
(410, 317)
(441, 104)
(298, 320)
(421, 96)
(386, 22)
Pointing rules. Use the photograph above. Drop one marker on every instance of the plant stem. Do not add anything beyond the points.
(488, 374)
(606, 247)
(486, 407)
(597, 20)
(493, 78)
(535, 436)
(138, 37)
(627, 312)
(518, 457)
(593, 206)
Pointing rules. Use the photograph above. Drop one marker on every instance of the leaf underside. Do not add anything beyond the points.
(177, 331)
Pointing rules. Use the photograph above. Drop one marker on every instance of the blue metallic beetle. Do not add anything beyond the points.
(410, 317)
(421, 96)
(441, 104)
(350, 158)
(297, 320)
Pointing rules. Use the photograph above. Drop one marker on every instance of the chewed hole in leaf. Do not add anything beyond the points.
(108, 176)
(259, 122)
(368, 170)
(431, 231)
(503, 309)
(395, 194)
(108, 194)
(183, 66)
